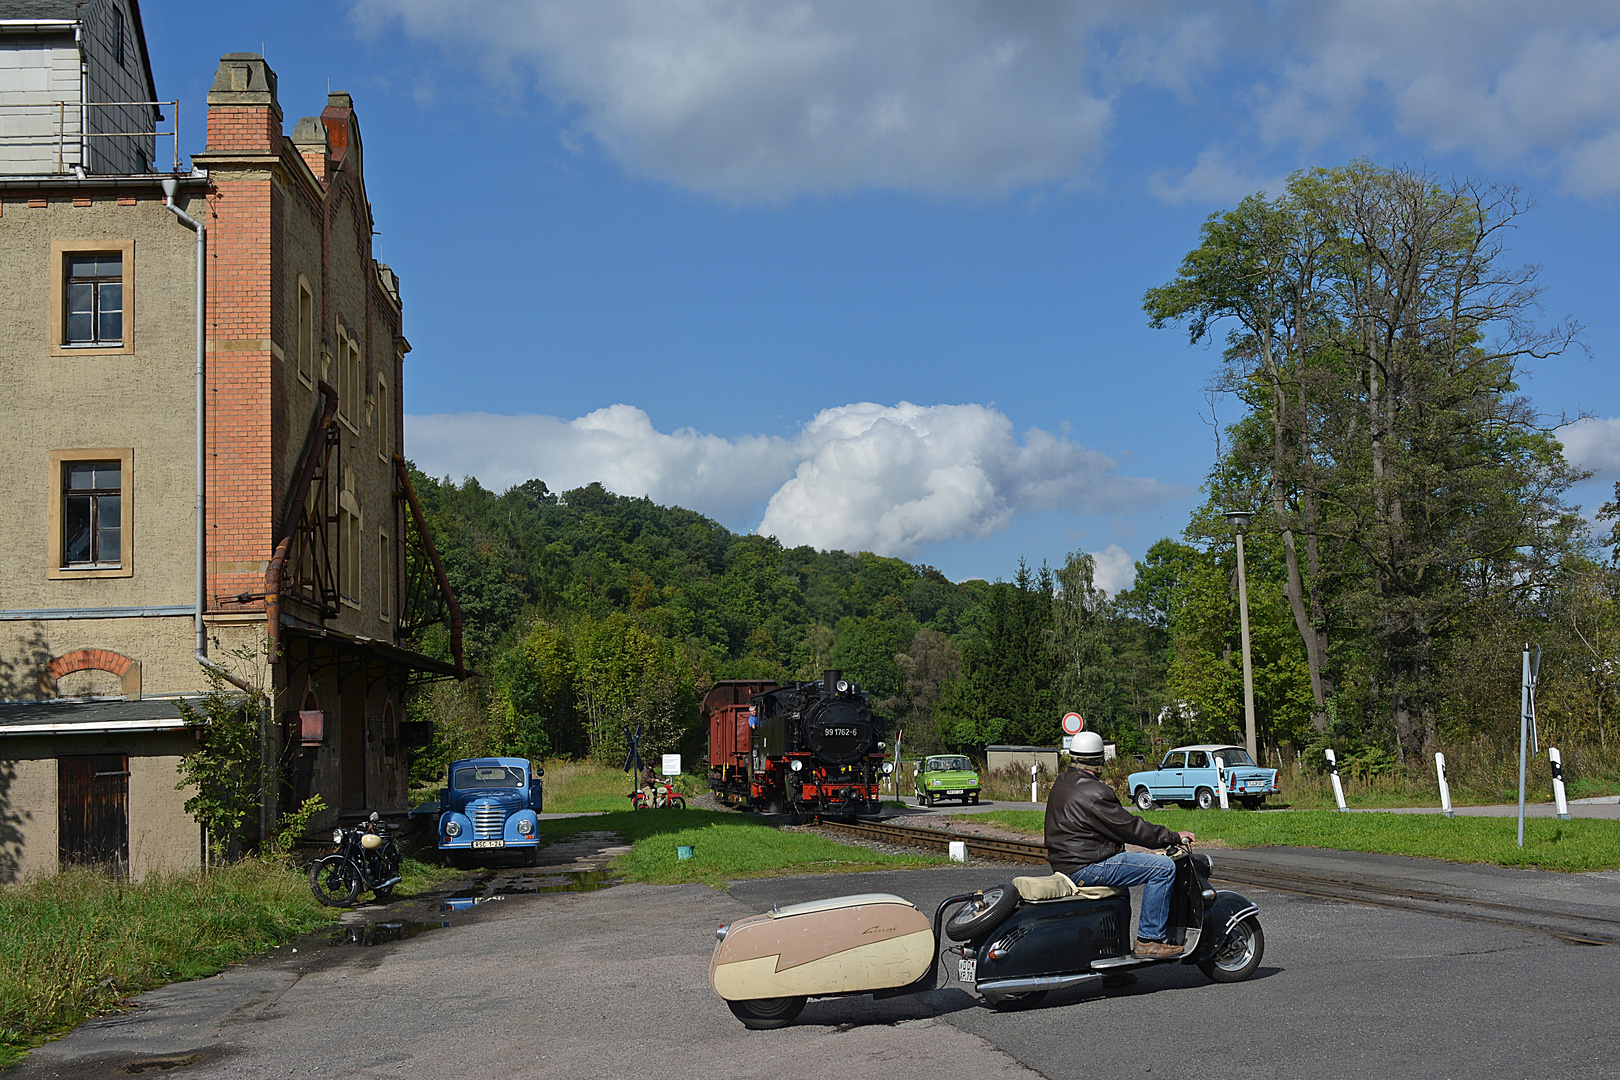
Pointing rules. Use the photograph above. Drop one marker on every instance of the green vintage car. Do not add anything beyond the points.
(947, 776)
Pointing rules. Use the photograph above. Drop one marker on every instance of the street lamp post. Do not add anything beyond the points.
(1239, 520)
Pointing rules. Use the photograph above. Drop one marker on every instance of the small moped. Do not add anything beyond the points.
(663, 796)
(1013, 943)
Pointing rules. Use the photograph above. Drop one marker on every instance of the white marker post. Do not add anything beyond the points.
(958, 851)
(1338, 788)
(1033, 796)
(1445, 788)
(1220, 781)
(1557, 760)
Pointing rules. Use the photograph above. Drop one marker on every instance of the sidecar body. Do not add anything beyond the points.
(842, 945)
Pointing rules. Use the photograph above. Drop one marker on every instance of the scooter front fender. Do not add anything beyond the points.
(1219, 918)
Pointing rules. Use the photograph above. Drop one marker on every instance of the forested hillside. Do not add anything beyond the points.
(1410, 533)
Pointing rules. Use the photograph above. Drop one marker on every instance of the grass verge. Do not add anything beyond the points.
(727, 846)
(78, 944)
(1549, 844)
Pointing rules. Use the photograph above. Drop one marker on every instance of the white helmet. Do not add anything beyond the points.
(1087, 744)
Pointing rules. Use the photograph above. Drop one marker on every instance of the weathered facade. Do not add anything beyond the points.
(111, 607)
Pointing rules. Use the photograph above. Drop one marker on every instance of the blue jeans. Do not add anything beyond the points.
(1157, 873)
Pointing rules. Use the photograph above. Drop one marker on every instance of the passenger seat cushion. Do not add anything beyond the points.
(1059, 887)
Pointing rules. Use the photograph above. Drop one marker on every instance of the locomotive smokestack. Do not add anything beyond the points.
(829, 681)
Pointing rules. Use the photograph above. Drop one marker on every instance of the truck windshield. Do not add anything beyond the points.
(947, 764)
(487, 776)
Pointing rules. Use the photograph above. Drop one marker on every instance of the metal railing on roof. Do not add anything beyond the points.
(78, 112)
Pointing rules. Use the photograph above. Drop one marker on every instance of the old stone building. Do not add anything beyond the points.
(176, 496)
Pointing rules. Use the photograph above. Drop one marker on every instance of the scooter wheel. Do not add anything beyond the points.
(677, 803)
(982, 914)
(762, 1014)
(1239, 955)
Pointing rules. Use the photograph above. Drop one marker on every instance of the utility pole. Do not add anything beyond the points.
(1239, 520)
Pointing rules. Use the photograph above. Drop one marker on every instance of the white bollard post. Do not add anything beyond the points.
(1445, 788)
(958, 851)
(1557, 760)
(1220, 782)
(1338, 788)
(1034, 797)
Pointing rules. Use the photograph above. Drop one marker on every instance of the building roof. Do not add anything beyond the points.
(78, 717)
(39, 9)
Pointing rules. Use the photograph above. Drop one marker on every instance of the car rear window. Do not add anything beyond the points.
(1197, 759)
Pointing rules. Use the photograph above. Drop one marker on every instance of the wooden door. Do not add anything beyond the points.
(92, 821)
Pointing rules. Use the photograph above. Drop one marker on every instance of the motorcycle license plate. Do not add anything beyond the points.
(965, 970)
(489, 843)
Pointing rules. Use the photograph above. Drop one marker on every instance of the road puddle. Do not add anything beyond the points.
(462, 903)
(380, 933)
(567, 881)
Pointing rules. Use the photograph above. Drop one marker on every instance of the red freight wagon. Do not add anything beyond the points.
(726, 708)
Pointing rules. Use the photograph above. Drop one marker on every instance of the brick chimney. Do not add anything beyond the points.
(243, 114)
(342, 130)
(309, 136)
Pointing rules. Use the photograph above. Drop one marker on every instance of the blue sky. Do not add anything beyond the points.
(870, 275)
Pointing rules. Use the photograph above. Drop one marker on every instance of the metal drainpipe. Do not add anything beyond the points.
(200, 653)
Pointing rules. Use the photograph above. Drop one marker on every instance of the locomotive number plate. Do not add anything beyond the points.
(965, 970)
(489, 843)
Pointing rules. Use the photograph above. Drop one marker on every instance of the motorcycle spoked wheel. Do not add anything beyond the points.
(676, 802)
(335, 881)
(386, 871)
(1239, 955)
(762, 1014)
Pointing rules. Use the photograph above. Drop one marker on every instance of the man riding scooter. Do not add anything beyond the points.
(1086, 833)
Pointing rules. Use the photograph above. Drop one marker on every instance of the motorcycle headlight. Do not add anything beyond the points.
(337, 836)
(525, 826)
(888, 767)
(798, 766)
(453, 829)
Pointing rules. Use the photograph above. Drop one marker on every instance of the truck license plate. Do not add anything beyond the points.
(958, 791)
(965, 970)
(489, 843)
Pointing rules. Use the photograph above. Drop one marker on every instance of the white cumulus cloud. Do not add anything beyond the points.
(1113, 569)
(889, 479)
(1593, 444)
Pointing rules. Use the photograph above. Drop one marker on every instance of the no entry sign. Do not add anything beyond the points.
(1074, 723)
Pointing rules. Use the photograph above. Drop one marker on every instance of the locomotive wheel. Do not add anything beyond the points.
(762, 1014)
(982, 914)
(1239, 955)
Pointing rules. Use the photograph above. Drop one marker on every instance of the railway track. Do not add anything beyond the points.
(1565, 926)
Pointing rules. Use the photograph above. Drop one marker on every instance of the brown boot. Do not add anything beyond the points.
(1156, 950)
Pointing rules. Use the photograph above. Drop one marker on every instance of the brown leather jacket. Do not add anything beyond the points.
(1085, 823)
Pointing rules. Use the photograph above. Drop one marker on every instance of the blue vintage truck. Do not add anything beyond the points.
(490, 807)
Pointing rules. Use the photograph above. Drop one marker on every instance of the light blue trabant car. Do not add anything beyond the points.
(1187, 775)
(491, 807)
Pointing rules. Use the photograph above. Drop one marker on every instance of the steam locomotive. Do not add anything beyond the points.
(809, 748)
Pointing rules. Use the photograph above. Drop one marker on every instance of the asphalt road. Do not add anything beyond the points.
(613, 983)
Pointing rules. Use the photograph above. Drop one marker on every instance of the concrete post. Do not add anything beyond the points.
(1033, 796)
(1445, 788)
(1338, 788)
(1220, 782)
(1557, 760)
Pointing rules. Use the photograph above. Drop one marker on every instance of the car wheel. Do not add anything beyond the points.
(975, 798)
(928, 799)
(1239, 955)
(982, 914)
(1144, 799)
(1203, 798)
(762, 1014)
(1252, 804)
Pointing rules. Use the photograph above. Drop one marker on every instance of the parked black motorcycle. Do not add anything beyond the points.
(367, 860)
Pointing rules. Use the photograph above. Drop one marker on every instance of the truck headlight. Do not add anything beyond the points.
(453, 829)
(798, 766)
(525, 826)
(888, 767)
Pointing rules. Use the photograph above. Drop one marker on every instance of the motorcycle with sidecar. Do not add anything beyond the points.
(1013, 943)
